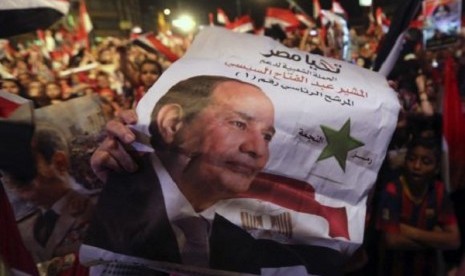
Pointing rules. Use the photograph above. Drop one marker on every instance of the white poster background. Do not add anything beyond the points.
(308, 92)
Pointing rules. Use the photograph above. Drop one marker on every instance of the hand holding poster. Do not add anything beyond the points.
(266, 153)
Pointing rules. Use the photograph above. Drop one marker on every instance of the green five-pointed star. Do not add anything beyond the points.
(339, 143)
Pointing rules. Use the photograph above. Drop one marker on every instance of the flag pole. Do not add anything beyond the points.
(238, 8)
(299, 8)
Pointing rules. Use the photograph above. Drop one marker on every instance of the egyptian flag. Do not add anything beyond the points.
(453, 126)
(338, 9)
(85, 24)
(391, 46)
(222, 18)
(285, 18)
(304, 19)
(243, 24)
(210, 19)
(299, 197)
(150, 43)
(84, 18)
(23, 16)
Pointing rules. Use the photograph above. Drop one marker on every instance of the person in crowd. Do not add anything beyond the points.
(415, 215)
(141, 75)
(204, 153)
(149, 72)
(24, 78)
(55, 230)
(12, 86)
(53, 92)
(109, 63)
(20, 67)
(105, 92)
(103, 86)
(36, 92)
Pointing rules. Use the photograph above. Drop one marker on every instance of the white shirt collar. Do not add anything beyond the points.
(177, 205)
(59, 206)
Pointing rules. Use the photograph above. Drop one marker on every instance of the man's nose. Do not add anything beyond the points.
(417, 164)
(255, 145)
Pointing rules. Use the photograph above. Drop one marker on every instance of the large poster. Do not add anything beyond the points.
(257, 158)
(442, 22)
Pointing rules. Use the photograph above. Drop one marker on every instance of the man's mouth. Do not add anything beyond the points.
(241, 168)
(415, 176)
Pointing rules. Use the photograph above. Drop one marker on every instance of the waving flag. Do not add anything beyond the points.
(23, 16)
(283, 17)
(150, 43)
(392, 44)
(221, 17)
(241, 25)
(84, 17)
(304, 19)
(338, 9)
(85, 24)
(454, 127)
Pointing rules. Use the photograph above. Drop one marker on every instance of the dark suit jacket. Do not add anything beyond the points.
(131, 219)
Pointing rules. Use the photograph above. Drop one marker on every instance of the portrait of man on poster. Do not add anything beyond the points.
(211, 138)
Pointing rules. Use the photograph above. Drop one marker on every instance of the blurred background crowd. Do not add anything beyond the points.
(66, 61)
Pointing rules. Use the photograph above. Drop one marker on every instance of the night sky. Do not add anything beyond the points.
(256, 8)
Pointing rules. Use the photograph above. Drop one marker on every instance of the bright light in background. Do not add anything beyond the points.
(167, 11)
(136, 30)
(365, 3)
(185, 23)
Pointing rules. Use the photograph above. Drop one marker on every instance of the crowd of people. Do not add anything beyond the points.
(412, 215)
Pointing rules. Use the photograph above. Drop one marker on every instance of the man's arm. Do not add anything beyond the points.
(112, 154)
(443, 238)
(401, 241)
(413, 238)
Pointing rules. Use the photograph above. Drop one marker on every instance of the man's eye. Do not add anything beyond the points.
(239, 124)
(410, 158)
(268, 137)
(427, 161)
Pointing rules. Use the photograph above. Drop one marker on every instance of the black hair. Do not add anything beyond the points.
(153, 62)
(429, 143)
(47, 140)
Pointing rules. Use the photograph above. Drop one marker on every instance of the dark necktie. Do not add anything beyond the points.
(44, 225)
(195, 250)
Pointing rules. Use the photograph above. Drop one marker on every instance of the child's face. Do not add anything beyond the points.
(36, 89)
(53, 91)
(148, 74)
(421, 165)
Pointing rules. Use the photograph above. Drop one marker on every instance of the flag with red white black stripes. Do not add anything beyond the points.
(23, 16)
(391, 46)
(151, 43)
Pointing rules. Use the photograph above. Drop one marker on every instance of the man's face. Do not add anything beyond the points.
(228, 140)
(421, 165)
(10, 87)
(35, 89)
(53, 91)
(37, 191)
(149, 74)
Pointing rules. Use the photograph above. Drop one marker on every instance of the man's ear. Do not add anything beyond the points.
(169, 121)
(60, 161)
